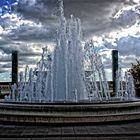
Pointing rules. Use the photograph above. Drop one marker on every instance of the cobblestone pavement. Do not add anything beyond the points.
(125, 131)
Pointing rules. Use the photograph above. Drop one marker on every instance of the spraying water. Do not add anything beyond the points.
(60, 76)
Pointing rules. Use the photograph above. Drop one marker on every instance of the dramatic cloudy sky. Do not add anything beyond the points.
(30, 25)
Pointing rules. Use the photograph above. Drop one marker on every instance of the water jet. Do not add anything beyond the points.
(58, 91)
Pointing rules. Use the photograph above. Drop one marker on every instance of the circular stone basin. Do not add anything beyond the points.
(69, 112)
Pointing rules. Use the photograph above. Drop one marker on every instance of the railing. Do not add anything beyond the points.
(5, 88)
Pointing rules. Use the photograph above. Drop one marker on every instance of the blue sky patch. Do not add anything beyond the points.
(6, 6)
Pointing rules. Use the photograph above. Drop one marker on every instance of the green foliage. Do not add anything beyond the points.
(135, 71)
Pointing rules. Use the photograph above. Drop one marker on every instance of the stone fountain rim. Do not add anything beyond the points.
(69, 113)
(74, 103)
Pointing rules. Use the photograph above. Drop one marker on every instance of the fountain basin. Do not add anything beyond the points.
(69, 112)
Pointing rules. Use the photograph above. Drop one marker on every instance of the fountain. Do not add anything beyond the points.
(59, 91)
(60, 76)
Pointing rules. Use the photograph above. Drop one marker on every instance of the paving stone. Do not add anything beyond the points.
(67, 130)
(93, 129)
(54, 131)
(130, 130)
(80, 130)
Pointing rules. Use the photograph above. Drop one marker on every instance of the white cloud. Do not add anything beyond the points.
(5, 76)
(133, 1)
(28, 2)
(1, 30)
(14, 22)
(127, 16)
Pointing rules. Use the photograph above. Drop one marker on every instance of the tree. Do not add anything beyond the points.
(135, 71)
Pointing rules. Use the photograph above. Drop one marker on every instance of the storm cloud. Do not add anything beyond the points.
(33, 24)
